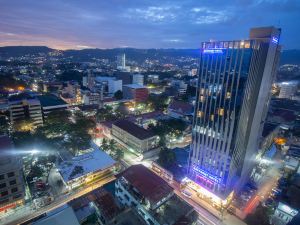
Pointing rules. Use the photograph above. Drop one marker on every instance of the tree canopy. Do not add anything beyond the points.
(118, 95)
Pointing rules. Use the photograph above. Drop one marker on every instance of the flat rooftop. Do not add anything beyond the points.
(134, 86)
(50, 100)
(150, 185)
(89, 162)
(59, 217)
(20, 96)
(134, 129)
(182, 107)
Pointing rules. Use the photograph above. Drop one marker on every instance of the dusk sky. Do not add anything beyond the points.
(73, 24)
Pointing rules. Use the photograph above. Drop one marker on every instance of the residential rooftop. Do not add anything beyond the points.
(181, 107)
(150, 185)
(59, 217)
(90, 162)
(21, 96)
(134, 129)
(134, 86)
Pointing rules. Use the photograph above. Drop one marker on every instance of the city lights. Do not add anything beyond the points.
(213, 51)
(168, 114)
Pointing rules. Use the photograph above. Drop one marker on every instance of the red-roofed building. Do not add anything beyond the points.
(152, 197)
(139, 185)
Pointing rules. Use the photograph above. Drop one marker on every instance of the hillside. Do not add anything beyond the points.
(287, 56)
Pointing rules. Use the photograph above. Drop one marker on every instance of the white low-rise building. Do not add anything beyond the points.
(283, 214)
(86, 168)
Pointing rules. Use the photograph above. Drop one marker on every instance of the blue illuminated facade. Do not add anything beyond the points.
(234, 85)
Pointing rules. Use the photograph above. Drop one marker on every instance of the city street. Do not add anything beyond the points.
(267, 182)
(26, 213)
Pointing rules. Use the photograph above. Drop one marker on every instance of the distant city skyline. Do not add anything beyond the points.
(142, 24)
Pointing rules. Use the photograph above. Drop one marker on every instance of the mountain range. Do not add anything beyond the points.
(287, 56)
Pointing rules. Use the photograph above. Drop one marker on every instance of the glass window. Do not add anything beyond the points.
(17, 196)
(12, 182)
(4, 201)
(13, 190)
(11, 174)
(4, 193)
(3, 185)
(1, 176)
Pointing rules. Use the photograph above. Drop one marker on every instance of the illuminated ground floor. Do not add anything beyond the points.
(11, 205)
(90, 178)
(206, 195)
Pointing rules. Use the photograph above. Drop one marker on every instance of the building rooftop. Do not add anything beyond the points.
(146, 116)
(50, 100)
(20, 96)
(99, 78)
(128, 217)
(59, 217)
(106, 203)
(84, 164)
(134, 129)
(287, 209)
(181, 107)
(150, 185)
(134, 86)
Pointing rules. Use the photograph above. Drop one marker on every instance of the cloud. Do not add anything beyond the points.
(204, 15)
(142, 24)
(153, 13)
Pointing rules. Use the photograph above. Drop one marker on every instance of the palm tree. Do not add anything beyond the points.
(112, 145)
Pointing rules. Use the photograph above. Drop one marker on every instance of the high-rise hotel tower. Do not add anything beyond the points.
(234, 85)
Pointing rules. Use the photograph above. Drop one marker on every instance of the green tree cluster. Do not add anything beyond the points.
(260, 216)
(60, 130)
(118, 95)
(166, 157)
(112, 148)
(171, 127)
(157, 102)
(107, 113)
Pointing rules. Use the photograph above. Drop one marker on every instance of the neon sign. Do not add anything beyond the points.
(275, 40)
(213, 51)
(207, 175)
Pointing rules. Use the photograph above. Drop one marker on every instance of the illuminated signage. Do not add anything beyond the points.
(275, 40)
(213, 51)
(207, 175)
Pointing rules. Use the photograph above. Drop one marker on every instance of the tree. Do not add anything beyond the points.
(23, 140)
(106, 113)
(171, 127)
(112, 145)
(35, 171)
(158, 102)
(119, 154)
(104, 144)
(4, 125)
(260, 216)
(24, 125)
(167, 157)
(118, 95)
